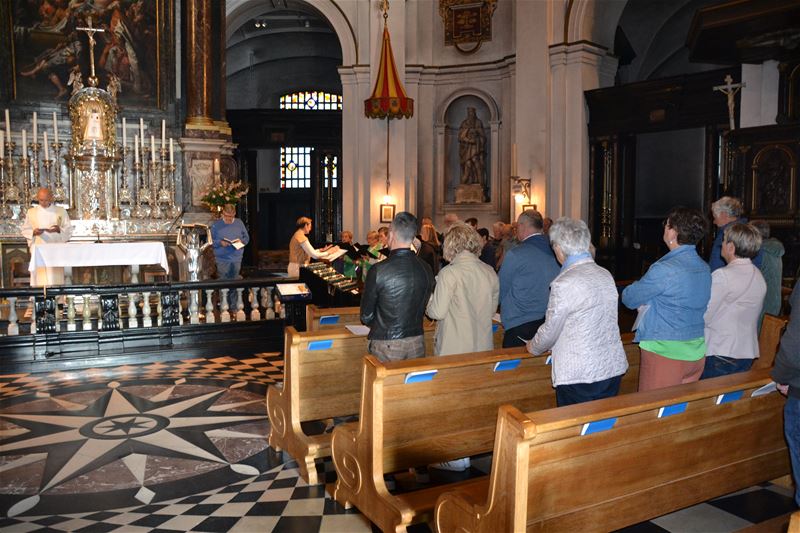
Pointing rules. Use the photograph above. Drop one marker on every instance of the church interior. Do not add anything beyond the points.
(147, 386)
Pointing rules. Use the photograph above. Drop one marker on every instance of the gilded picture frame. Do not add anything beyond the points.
(387, 213)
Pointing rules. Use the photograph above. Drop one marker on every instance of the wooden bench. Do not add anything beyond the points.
(453, 415)
(335, 317)
(768, 340)
(321, 379)
(547, 476)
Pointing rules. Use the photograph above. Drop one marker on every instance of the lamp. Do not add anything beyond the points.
(521, 188)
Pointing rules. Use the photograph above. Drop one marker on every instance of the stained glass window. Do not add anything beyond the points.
(331, 169)
(295, 167)
(312, 101)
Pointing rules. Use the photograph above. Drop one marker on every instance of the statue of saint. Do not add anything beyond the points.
(94, 127)
(472, 149)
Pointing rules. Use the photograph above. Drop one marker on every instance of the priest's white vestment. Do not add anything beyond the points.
(39, 217)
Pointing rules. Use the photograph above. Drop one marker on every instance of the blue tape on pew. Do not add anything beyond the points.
(511, 364)
(422, 375)
(549, 360)
(495, 327)
(328, 320)
(674, 409)
(320, 345)
(729, 397)
(598, 426)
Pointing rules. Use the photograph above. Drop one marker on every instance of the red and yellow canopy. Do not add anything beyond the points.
(389, 99)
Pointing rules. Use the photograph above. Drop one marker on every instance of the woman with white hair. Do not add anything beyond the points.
(734, 309)
(466, 295)
(581, 322)
(726, 211)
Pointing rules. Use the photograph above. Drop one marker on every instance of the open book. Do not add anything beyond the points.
(236, 243)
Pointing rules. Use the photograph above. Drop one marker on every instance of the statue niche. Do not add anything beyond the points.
(468, 147)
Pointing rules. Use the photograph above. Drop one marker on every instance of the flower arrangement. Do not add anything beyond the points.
(221, 193)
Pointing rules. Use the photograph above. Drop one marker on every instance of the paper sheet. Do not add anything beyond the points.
(358, 330)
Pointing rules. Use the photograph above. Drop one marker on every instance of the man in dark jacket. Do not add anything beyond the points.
(787, 374)
(395, 295)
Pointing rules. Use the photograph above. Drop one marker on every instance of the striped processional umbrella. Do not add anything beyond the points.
(389, 99)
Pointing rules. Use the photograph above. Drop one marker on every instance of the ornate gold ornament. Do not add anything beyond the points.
(466, 22)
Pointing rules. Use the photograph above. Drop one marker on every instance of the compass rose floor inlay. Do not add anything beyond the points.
(182, 446)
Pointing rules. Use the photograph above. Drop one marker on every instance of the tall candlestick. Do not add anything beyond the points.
(8, 126)
(55, 128)
(163, 133)
(35, 129)
(216, 166)
(24, 144)
(2, 146)
(124, 133)
(152, 149)
(46, 149)
(171, 158)
(141, 131)
(136, 149)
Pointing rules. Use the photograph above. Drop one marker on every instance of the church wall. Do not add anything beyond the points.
(759, 95)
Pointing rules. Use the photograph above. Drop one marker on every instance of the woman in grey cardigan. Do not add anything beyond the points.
(581, 321)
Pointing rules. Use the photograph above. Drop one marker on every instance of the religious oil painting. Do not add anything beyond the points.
(50, 49)
(387, 213)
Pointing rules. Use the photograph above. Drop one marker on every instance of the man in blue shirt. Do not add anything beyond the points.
(525, 277)
(726, 211)
(229, 236)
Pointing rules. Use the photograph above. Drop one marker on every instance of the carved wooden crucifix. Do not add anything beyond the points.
(730, 89)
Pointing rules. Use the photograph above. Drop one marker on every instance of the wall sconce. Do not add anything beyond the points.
(521, 189)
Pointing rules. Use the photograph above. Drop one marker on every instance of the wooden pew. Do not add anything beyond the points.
(453, 415)
(321, 379)
(546, 476)
(335, 317)
(768, 340)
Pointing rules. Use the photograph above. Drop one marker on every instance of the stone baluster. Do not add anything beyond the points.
(240, 316)
(71, 326)
(269, 314)
(13, 326)
(32, 305)
(224, 314)
(86, 316)
(254, 313)
(133, 323)
(147, 321)
(210, 318)
(194, 316)
(159, 310)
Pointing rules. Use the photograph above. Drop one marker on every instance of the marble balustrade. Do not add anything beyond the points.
(99, 308)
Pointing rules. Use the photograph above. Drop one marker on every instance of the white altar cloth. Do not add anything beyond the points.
(72, 254)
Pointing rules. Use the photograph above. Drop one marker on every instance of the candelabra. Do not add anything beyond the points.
(155, 209)
(163, 190)
(174, 210)
(34, 163)
(59, 191)
(142, 192)
(25, 166)
(12, 190)
(124, 192)
(47, 164)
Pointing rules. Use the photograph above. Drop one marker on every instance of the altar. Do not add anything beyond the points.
(68, 255)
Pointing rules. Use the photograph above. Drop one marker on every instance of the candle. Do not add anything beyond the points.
(141, 131)
(171, 160)
(24, 144)
(124, 133)
(152, 149)
(163, 134)
(2, 146)
(8, 126)
(46, 149)
(514, 159)
(35, 129)
(136, 149)
(55, 128)
(216, 166)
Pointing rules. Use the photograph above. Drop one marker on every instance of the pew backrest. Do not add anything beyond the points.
(768, 340)
(607, 464)
(334, 317)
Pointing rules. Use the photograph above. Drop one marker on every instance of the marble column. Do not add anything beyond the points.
(199, 62)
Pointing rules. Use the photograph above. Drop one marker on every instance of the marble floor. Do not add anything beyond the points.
(181, 446)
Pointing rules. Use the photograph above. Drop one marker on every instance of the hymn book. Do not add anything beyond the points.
(236, 243)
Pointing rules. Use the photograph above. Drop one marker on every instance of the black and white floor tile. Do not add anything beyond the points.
(182, 446)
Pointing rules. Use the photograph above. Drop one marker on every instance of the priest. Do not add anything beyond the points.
(46, 223)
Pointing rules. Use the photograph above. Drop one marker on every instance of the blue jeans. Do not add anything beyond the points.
(717, 365)
(586, 392)
(229, 270)
(791, 429)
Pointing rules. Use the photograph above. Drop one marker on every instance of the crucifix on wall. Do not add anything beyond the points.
(730, 89)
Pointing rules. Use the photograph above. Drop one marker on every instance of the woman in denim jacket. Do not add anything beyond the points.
(673, 296)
